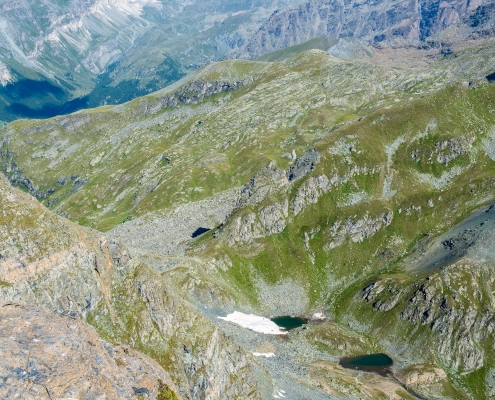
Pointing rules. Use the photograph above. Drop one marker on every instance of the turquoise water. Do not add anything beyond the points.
(378, 363)
(289, 322)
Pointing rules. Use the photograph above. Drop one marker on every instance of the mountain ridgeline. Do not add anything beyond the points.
(262, 228)
(395, 23)
(57, 58)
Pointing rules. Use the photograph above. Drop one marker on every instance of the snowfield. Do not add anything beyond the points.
(255, 323)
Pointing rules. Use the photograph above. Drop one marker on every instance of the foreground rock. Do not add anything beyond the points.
(50, 262)
(49, 356)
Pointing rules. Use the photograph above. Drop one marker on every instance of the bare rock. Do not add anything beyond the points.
(255, 190)
(193, 93)
(303, 165)
(244, 229)
(273, 217)
(49, 356)
(357, 229)
(310, 192)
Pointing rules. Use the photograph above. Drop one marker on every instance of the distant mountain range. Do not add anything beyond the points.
(61, 56)
(397, 23)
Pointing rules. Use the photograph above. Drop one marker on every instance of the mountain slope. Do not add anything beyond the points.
(215, 122)
(404, 23)
(59, 57)
(338, 237)
(47, 261)
(314, 186)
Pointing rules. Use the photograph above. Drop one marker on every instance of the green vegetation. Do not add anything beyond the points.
(110, 159)
(164, 392)
(399, 165)
(313, 44)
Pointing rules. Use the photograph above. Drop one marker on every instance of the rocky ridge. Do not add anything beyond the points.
(210, 122)
(46, 355)
(61, 57)
(403, 23)
(43, 264)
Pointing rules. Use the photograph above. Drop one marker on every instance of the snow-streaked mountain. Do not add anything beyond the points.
(112, 50)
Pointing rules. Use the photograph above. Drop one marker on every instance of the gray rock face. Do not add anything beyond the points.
(357, 229)
(453, 305)
(244, 229)
(404, 20)
(371, 292)
(273, 217)
(50, 262)
(49, 356)
(310, 192)
(17, 177)
(193, 93)
(303, 165)
(458, 328)
(255, 190)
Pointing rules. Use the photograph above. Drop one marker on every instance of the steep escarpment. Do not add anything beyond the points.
(404, 22)
(50, 262)
(46, 355)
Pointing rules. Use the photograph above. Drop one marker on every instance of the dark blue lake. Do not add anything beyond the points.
(199, 232)
(289, 323)
(379, 363)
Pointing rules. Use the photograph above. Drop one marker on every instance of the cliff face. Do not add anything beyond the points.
(49, 356)
(47, 261)
(405, 21)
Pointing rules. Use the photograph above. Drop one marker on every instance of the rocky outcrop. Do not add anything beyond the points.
(406, 21)
(16, 176)
(50, 262)
(357, 229)
(244, 229)
(458, 328)
(273, 217)
(303, 165)
(382, 294)
(192, 93)
(315, 187)
(444, 151)
(49, 356)
(256, 189)
(310, 192)
(453, 305)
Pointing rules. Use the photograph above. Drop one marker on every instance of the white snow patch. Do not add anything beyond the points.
(318, 317)
(5, 75)
(267, 355)
(255, 323)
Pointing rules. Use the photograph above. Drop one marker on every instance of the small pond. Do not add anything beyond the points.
(199, 232)
(379, 363)
(289, 323)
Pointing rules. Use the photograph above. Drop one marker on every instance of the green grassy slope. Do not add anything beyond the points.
(403, 155)
(424, 166)
(115, 160)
